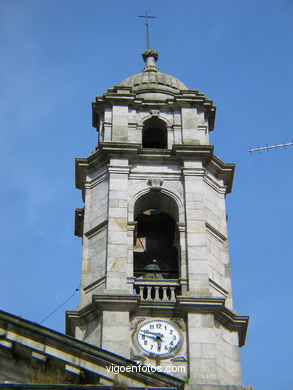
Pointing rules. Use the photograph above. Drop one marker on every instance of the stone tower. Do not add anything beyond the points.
(155, 280)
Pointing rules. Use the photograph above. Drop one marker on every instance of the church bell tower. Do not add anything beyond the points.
(155, 279)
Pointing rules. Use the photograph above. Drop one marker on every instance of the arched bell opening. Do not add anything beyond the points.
(154, 134)
(156, 242)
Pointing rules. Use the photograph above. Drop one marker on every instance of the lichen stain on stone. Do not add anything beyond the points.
(117, 265)
(122, 223)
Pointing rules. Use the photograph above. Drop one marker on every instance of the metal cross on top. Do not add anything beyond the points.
(147, 17)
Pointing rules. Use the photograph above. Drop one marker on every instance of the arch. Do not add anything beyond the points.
(157, 236)
(156, 200)
(150, 116)
(169, 200)
(154, 133)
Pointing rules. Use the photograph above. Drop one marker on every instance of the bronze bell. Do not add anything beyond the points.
(152, 267)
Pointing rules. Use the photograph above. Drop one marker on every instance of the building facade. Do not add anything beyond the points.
(155, 279)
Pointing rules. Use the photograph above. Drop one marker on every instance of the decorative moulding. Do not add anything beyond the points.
(90, 233)
(155, 183)
(219, 236)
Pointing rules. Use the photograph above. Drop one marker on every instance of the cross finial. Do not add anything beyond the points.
(147, 17)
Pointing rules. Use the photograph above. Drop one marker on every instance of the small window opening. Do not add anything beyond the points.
(154, 134)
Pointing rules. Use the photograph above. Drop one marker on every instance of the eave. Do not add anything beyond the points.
(51, 344)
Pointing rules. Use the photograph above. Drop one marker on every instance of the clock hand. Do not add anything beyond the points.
(148, 332)
(155, 338)
(159, 341)
(147, 335)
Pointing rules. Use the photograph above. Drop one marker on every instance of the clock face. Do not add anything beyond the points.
(158, 337)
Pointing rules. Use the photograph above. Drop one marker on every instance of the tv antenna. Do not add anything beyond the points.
(268, 148)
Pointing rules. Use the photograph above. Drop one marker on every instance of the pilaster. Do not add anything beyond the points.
(116, 332)
(120, 123)
(196, 244)
(117, 250)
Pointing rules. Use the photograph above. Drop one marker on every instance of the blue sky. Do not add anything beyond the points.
(56, 56)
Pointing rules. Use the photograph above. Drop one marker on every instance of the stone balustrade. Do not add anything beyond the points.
(157, 290)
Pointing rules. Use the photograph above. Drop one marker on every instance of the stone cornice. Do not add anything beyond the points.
(90, 233)
(215, 233)
(118, 169)
(216, 186)
(125, 302)
(178, 154)
(218, 288)
(223, 171)
(217, 306)
(193, 171)
(126, 148)
(125, 96)
(141, 175)
(202, 152)
(154, 153)
(183, 304)
(95, 284)
(100, 156)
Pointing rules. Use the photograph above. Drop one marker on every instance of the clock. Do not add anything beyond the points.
(159, 338)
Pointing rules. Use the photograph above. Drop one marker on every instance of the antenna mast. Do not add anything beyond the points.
(260, 148)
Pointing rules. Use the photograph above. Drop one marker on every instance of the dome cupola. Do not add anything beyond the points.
(151, 83)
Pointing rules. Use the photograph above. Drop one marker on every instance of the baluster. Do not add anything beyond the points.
(149, 293)
(156, 293)
(157, 296)
(165, 293)
(172, 294)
